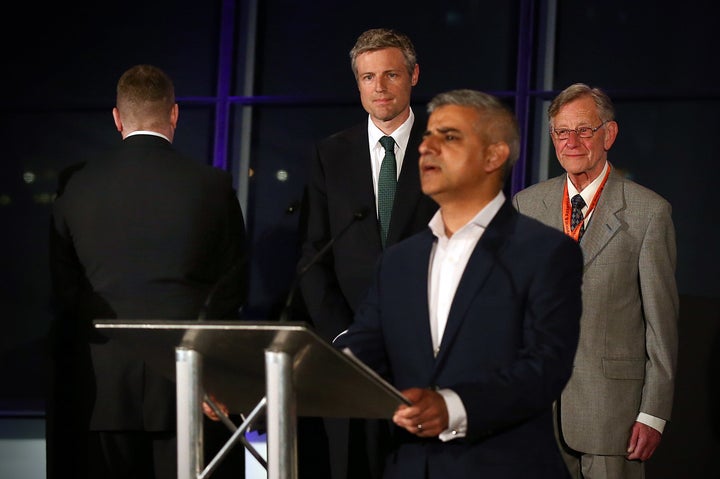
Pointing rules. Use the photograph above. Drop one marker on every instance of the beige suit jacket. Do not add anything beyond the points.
(627, 355)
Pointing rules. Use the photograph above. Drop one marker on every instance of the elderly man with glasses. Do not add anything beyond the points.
(612, 413)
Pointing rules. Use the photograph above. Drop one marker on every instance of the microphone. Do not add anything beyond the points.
(356, 216)
(291, 209)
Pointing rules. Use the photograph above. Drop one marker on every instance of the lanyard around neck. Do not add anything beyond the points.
(567, 208)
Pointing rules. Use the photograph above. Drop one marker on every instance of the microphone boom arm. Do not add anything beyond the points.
(357, 216)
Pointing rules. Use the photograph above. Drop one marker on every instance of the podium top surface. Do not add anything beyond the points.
(327, 383)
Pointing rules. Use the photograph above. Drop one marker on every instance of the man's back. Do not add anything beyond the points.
(154, 230)
(141, 232)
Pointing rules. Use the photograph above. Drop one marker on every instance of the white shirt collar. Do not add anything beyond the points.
(481, 219)
(147, 132)
(401, 135)
(589, 192)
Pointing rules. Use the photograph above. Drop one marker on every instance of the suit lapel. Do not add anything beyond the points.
(552, 202)
(604, 223)
(359, 183)
(418, 273)
(481, 262)
(408, 191)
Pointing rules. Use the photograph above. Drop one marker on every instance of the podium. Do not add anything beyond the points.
(284, 368)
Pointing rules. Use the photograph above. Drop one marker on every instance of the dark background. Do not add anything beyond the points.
(258, 83)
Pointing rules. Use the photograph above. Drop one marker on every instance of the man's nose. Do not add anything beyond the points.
(427, 145)
(573, 138)
(380, 84)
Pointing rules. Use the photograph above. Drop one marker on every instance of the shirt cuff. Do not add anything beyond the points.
(652, 421)
(457, 416)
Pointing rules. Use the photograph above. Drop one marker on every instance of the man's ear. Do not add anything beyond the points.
(497, 155)
(611, 132)
(174, 114)
(415, 75)
(116, 118)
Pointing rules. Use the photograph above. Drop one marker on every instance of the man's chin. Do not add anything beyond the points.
(385, 117)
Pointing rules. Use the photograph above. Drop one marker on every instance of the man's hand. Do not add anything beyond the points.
(210, 412)
(643, 442)
(426, 417)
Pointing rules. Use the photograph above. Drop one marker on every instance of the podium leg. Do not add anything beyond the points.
(188, 367)
(281, 416)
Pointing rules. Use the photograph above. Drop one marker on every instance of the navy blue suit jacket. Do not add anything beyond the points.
(507, 349)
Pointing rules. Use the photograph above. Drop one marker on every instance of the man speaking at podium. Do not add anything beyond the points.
(476, 319)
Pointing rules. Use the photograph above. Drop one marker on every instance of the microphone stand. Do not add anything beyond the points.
(285, 314)
(230, 274)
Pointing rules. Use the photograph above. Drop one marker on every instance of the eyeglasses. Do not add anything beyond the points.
(581, 132)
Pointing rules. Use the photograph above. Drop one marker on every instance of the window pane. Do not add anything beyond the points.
(88, 45)
(637, 45)
(279, 163)
(459, 45)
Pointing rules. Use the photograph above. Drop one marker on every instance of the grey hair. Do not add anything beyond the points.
(604, 104)
(501, 126)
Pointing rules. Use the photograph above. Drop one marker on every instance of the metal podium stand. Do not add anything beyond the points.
(284, 368)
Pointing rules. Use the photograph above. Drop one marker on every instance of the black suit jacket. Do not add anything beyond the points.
(507, 350)
(340, 186)
(143, 233)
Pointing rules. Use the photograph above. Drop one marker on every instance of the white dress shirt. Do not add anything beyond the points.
(377, 152)
(587, 194)
(448, 259)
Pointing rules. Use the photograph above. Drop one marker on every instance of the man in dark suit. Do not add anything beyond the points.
(342, 189)
(475, 319)
(614, 409)
(141, 233)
